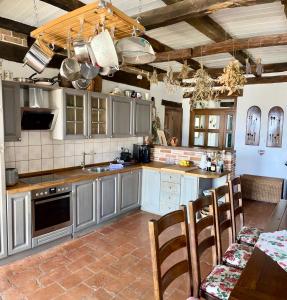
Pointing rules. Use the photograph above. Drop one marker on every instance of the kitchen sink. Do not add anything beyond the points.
(99, 169)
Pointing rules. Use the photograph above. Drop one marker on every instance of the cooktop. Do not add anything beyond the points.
(41, 178)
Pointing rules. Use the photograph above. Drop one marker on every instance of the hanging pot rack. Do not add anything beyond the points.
(56, 31)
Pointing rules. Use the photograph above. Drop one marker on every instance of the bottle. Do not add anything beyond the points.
(213, 167)
(208, 164)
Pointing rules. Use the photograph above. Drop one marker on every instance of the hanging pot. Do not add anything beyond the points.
(63, 82)
(24, 79)
(104, 50)
(135, 50)
(38, 56)
(81, 51)
(46, 81)
(88, 71)
(81, 84)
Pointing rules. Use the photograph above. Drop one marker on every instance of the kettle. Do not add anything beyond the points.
(11, 176)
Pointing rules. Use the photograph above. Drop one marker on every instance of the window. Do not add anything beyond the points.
(212, 128)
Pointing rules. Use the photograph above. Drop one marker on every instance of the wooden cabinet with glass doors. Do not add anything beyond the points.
(212, 128)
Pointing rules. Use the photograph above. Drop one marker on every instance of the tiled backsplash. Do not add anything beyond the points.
(37, 151)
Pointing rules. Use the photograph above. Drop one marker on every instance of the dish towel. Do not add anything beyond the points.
(274, 244)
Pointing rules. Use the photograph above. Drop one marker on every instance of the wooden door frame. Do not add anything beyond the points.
(178, 109)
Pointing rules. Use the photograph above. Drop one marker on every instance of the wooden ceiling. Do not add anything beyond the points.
(197, 14)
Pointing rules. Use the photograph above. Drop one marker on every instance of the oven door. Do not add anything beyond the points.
(51, 213)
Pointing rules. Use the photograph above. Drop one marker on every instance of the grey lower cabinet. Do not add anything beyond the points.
(129, 190)
(19, 222)
(85, 202)
(107, 197)
(3, 229)
(122, 116)
(142, 117)
(11, 110)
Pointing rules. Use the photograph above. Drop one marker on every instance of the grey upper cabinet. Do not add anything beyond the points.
(99, 115)
(107, 197)
(84, 196)
(19, 222)
(11, 110)
(142, 117)
(122, 116)
(129, 190)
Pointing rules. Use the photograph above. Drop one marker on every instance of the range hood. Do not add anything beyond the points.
(37, 118)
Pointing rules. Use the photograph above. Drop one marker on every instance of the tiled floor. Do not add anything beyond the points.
(111, 263)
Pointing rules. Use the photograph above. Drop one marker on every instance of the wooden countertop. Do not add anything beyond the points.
(77, 175)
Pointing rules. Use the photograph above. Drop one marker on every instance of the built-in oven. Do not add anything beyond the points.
(51, 210)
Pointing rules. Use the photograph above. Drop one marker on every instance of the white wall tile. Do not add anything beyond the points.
(69, 149)
(59, 150)
(21, 153)
(106, 147)
(24, 139)
(10, 164)
(47, 164)
(89, 147)
(46, 138)
(47, 151)
(9, 154)
(98, 158)
(35, 165)
(9, 144)
(79, 149)
(69, 161)
(78, 160)
(59, 162)
(35, 152)
(98, 148)
(22, 166)
(34, 138)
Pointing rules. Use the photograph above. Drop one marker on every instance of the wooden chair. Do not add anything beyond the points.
(160, 253)
(222, 279)
(236, 255)
(246, 235)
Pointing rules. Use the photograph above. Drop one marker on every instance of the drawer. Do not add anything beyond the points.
(168, 207)
(170, 187)
(170, 198)
(170, 177)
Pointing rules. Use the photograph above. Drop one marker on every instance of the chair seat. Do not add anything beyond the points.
(248, 235)
(237, 255)
(221, 281)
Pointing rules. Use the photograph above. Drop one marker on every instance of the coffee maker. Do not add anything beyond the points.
(141, 153)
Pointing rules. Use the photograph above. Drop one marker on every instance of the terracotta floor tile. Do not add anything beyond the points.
(76, 278)
(102, 294)
(47, 293)
(81, 262)
(81, 292)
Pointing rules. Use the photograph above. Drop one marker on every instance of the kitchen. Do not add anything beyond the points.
(99, 137)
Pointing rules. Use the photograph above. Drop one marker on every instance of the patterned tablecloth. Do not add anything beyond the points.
(274, 244)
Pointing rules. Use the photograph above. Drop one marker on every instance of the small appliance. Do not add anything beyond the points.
(126, 156)
(141, 153)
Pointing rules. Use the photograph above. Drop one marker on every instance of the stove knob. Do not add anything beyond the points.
(37, 194)
(41, 193)
(46, 193)
(63, 189)
(59, 190)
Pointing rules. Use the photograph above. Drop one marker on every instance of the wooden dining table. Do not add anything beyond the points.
(263, 278)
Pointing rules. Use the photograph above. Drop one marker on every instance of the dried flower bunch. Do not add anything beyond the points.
(184, 71)
(232, 78)
(153, 78)
(203, 88)
(169, 81)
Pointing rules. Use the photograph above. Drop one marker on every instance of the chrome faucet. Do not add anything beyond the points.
(83, 163)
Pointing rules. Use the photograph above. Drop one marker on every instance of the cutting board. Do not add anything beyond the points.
(177, 168)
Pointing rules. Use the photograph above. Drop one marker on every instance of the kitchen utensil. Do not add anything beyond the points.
(45, 81)
(11, 176)
(81, 84)
(70, 68)
(104, 50)
(38, 56)
(81, 47)
(128, 93)
(88, 71)
(24, 79)
(63, 82)
(135, 50)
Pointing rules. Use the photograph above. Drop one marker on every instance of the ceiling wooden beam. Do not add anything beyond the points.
(208, 27)
(223, 47)
(67, 5)
(186, 9)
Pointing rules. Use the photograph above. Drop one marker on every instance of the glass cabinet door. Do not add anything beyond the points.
(228, 131)
(199, 122)
(98, 115)
(75, 114)
(213, 122)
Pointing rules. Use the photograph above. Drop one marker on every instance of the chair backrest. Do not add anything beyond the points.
(160, 253)
(223, 218)
(236, 203)
(209, 241)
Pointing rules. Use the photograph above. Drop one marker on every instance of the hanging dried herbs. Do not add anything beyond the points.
(171, 84)
(184, 71)
(203, 88)
(232, 78)
(153, 78)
